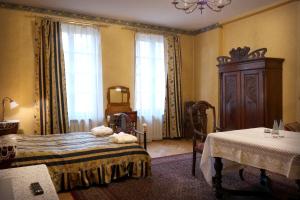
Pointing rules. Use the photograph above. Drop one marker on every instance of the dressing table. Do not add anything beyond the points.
(118, 101)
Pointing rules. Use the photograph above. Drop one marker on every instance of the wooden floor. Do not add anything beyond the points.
(156, 149)
(169, 147)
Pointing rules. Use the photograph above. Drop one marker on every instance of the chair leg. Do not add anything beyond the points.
(194, 163)
(264, 179)
(298, 183)
(241, 173)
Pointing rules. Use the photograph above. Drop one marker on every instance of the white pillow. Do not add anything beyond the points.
(102, 131)
(10, 139)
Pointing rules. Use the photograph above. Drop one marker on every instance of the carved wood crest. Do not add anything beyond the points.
(240, 54)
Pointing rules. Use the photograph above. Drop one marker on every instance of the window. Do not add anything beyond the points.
(83, 73)
(150, 82)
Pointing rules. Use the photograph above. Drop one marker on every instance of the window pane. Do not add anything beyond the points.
(83, 72)
(150, 81)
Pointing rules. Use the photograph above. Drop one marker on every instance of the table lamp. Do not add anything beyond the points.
(12, 104)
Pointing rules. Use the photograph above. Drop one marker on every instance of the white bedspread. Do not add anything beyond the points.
(102, 131)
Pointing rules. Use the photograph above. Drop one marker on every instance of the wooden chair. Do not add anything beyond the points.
(198, 120)
(294, 126)
(121, 122)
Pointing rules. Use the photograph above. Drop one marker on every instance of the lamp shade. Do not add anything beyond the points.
(13, 104)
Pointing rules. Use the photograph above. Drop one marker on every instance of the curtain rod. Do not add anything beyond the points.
(150, 31)
(81, 22)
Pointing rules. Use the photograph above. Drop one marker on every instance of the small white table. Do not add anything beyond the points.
(15, 183)
(251, 147)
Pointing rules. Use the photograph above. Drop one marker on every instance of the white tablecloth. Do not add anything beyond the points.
(255, 148)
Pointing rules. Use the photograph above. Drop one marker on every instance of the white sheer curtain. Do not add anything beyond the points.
(150, 82)
(83, 67)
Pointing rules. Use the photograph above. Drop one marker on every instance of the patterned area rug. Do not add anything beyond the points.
(172, 180)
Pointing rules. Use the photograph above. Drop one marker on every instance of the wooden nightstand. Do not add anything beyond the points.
(9, 127)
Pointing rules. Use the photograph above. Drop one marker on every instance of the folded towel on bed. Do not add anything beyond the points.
(122, 137)
(102, 131)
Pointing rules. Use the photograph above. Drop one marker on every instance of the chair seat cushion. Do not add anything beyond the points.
(199, 147)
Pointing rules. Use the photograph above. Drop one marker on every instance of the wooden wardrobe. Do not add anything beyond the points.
(250, 89)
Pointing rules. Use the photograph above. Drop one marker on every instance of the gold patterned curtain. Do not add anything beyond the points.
(172, 125)
(50, 93)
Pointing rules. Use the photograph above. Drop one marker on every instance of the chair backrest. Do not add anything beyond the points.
(294, 126)
(198, 117)
(123, 123)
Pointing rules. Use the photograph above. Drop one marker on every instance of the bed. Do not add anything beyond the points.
(82, 159)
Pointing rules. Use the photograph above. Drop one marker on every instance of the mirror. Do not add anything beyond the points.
(118, 95)
(117, 100)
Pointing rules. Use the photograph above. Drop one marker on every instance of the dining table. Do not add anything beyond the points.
(257, 147)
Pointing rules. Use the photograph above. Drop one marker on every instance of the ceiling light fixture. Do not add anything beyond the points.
(188, 6)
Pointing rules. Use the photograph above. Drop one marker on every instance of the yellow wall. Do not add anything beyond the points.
(117, 59)
(206, 79)
(207, 48)
(187, 51)
(298, 63)
(275, 29)
(17, 63)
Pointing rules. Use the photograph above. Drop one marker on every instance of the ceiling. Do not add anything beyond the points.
(155, 12)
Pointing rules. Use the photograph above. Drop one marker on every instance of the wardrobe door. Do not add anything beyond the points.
(230, 102)
(252, 98)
